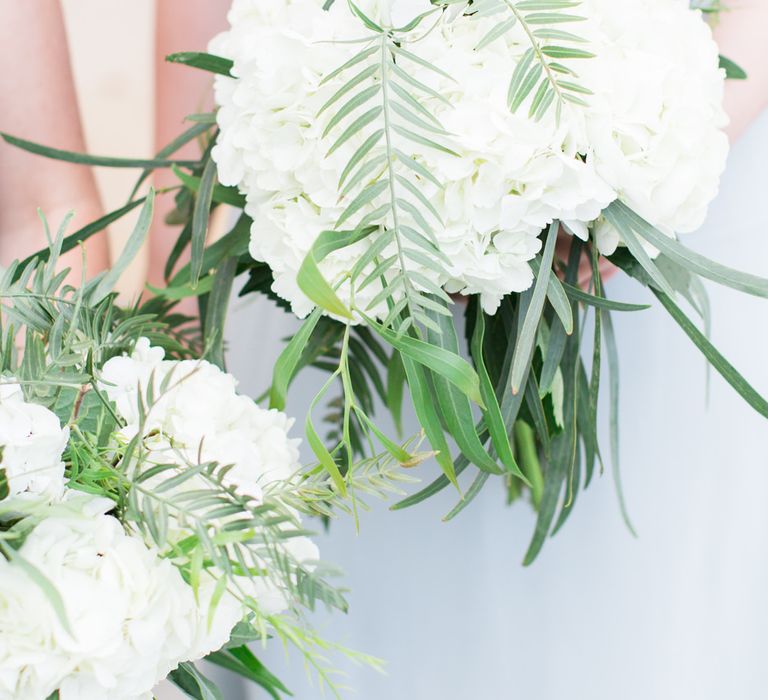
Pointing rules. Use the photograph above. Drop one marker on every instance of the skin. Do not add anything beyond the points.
(741, 36)
(181, 25)
(38, 102)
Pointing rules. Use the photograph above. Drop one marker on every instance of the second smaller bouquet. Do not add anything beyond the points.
(150, 515)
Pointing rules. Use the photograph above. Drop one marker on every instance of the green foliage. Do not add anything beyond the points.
(382, 175)
(544, 70)
(733, 71)
(518, 401)
(203, 61)
(68, 333)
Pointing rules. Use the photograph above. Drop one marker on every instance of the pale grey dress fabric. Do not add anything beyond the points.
(681, 612)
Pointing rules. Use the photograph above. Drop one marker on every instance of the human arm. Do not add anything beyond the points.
(38, 102)
(180, 25)
(742, 35)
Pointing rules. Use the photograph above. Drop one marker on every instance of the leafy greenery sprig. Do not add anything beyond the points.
(211, 531)
(540, 71)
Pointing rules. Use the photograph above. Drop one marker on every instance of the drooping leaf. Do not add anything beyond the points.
(527, 338)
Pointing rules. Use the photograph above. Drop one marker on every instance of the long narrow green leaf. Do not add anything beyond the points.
(617, 218)
(612, 353)
(493, 418)
(200, 220)
(107, 283)
(723, 367)
(234, 243)
(601, 302)
(443, 362)
(526, 341)
(474, 489)
(181, 140)
(224, 195)
(395, 386)
(690, 260)
(423, 403)
(557, 298)
(216, 311)
(85, 159)
(454, 405)
(288, 361)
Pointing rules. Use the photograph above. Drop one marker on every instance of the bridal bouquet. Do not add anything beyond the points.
(390, 157)
(150, 514)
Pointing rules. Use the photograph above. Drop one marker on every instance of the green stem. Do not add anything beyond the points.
(529, 459)
(385, 60)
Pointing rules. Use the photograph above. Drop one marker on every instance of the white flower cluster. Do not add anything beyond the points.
(650, 136)
(131, 617)
(31, 444)
(655, 122)
(196, 416)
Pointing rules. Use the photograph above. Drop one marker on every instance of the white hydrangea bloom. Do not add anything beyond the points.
(512, 176)
(655, 121)
(201, 417)
(650, 136)
(132, 617)
(31, 444)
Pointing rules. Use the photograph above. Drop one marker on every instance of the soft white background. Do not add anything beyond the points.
(679, 613)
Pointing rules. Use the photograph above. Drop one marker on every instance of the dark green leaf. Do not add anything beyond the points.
(203, 61)
(200, 220)
(85, 159)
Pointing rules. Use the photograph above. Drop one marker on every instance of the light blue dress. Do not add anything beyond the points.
(679, 613)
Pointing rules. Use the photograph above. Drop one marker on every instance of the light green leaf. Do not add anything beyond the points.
(723, 367)
(617, 217)
(311, 280)
(447, 364)
(493, 418)
(526, 340)
(200, 219)
(85, 159)
(690, 260)
(107, 283)
(288, 361)
(423, 403)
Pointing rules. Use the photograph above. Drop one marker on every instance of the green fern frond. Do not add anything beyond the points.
(384, 103)
(539, 72)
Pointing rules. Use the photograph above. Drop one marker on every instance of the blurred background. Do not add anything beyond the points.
(112, 52)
